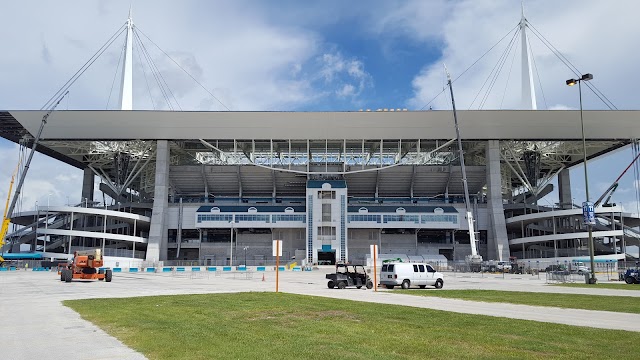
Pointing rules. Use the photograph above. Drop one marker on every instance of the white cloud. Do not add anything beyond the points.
(44, 177)
(237, 51)
(347, 75)
(347, 90)
(417, 19)
(560, 107)
(594, 42)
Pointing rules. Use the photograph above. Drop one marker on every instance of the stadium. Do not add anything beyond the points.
(218, 187)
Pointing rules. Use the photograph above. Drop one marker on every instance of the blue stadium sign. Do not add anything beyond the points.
(588, 213)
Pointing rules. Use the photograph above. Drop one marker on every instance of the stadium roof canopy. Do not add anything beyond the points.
(182, 125)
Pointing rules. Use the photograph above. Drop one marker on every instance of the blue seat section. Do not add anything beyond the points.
(242, 268)
(211, 268)
(151, 269)
(226, 268)
(117, 269)
(166, 269)
(195, 269)
(260, 268)
(133, 269)
(297, 268)
(281, 268)
(180, 269)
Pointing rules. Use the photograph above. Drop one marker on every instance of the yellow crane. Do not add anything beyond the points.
(5, 216)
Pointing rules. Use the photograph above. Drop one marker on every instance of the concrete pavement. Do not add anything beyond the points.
(36, 325)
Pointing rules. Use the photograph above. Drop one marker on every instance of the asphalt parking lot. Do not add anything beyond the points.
(35, 324)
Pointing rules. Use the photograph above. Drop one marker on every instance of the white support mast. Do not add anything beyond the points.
(528, 89)
(126, 93)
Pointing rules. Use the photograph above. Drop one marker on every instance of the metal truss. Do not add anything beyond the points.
(333, 157)
(554, 157)
(351, 155)
(99, 157)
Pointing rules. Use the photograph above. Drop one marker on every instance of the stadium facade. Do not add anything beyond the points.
(218, 187)
(205, 185)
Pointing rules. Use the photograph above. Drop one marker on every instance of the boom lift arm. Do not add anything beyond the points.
(613, 186)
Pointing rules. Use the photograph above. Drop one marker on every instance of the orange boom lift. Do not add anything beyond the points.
(85, 266)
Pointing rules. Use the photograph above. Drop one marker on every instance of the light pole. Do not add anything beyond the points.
(46, 224)
(586, 204)
(245, 256)
(231, 246)
(37, 217)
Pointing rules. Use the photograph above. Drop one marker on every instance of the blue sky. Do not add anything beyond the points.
(319, 56)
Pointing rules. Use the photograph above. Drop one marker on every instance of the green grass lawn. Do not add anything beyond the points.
(287, 326)
(626, 304)
(618, 286)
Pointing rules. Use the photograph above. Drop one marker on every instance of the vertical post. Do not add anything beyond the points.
(586, 186)
(375, 267)
(231, 246)
(46, 223)
(44, 242)
(277, 264)
(104, 231)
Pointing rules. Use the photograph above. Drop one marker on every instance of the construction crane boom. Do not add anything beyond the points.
(474, 260)
(9, 209)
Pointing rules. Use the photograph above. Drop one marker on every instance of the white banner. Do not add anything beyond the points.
(277, 247)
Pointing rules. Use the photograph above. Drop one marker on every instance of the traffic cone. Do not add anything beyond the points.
(263, 277)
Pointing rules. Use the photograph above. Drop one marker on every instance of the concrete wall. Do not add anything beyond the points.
(359, 242)
(398, 244)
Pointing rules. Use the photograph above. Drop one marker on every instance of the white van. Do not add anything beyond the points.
(410, 274)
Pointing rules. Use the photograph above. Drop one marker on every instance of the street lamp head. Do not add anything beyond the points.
(586, 77)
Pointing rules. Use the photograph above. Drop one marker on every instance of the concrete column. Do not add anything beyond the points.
(564, 189)
(497, 242)
(157, 246)
(87, 185)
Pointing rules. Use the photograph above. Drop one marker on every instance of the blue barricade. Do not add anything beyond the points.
(117, 269)
(211, 268)
(260, 268)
